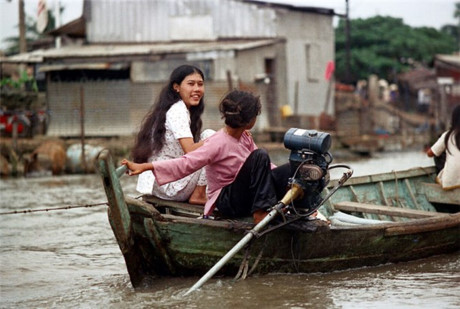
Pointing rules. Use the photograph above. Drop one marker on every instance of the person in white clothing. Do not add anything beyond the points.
(449, 176)
(171, 129)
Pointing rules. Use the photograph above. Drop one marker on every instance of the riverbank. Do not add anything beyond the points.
(13, 152)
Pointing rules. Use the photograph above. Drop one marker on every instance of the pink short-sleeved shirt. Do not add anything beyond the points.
(223, 156)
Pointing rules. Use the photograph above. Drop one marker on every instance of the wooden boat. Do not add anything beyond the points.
(373, 220)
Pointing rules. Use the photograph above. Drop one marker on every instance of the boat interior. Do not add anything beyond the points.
(367, 200)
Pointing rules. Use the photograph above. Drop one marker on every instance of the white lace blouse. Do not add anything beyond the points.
(177, 126)
(448, 177)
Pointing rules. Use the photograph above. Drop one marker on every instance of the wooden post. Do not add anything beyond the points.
(22, 39)
(373, 94)
(14, 134)
(82, 129)
(347, 45)
(443, 116)
(296, 97)
(22, 28)
(328, 94)
(57, 21)
(229, 80)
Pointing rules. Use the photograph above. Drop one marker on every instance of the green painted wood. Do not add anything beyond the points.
(118, 209)
(197, 248)
(385, 210)
(400, 189)
(177, 205)
(119, 216)
(160, 242)
(138, 207)
(436, 194)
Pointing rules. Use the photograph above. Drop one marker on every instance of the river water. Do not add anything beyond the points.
(69, 259)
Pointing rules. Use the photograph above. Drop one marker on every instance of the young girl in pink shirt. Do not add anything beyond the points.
(240, 177)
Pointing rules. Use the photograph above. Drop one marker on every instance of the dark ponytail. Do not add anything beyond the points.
(238, 108)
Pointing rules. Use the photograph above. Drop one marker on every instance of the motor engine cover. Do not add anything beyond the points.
(310, 172)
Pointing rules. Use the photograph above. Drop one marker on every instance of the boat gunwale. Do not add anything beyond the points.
(151, 204)
(387, 176)
(445, 221)
(431, 223)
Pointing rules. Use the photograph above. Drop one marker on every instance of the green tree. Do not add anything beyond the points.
(24, 79)
(454, 30)
(31, 33)
(386, 46)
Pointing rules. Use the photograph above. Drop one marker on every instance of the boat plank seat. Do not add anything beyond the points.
(158, 202)
(435, 194)
(385, 210)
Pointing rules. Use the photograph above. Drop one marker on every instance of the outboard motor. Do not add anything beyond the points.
(309, 160)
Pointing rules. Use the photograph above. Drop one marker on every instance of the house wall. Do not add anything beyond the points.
(309, 47)
(115, 108)
(300, 57)
(111, 108)
(251, 69)
(244, 66)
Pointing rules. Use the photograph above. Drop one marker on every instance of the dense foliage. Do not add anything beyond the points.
(13, 84)
(386, 46)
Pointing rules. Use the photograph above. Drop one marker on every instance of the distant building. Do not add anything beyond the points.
(447, 69)
(125, 50)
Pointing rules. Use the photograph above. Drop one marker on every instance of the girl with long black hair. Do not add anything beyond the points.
(171, 129)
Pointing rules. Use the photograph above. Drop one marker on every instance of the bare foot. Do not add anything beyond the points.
(198, 196)
(259, 215)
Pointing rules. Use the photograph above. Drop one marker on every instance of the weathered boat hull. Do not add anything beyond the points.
(161, 238)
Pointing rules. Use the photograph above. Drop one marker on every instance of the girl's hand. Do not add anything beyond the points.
(136, 168)
(430, 153)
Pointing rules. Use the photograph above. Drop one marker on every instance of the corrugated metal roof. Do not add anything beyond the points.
(184, 20)
(94, 51)
(86, 66)
(145, 20)
(294, 6)
(74, 29)
(419, 78)
(187, 20)
(453, 60)
(417, 74)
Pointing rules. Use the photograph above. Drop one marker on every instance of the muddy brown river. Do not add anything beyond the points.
(69, 259)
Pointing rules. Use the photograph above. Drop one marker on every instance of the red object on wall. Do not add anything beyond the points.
(330, 68)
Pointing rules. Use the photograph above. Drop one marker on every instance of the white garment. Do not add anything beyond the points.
(449, 176)
(177, 126)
